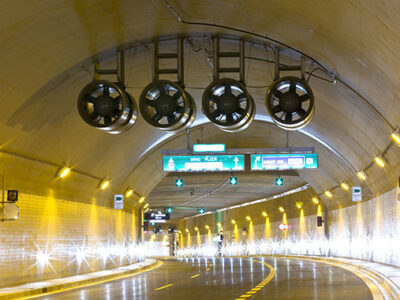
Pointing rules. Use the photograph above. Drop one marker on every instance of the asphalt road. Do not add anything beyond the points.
(230, 278)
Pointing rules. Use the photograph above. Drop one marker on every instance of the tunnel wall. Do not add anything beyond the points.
(54, 237)
(369, 230)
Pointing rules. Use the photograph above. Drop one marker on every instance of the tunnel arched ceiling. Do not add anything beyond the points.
(47, 48)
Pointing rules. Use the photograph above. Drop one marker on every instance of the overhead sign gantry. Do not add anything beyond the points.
(217, 158)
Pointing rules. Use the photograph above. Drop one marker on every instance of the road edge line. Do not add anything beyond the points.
(58, 288)
(387, 288)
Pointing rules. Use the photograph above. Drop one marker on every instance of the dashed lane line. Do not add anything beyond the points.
(263, 283)
(163, 287)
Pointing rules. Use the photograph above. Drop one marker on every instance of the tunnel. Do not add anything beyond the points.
(200, 149)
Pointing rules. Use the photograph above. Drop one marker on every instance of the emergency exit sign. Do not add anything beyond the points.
(356, 193)
(119, 201)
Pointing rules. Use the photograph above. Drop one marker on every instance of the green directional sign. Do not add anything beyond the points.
(199, 163)
(284, 161)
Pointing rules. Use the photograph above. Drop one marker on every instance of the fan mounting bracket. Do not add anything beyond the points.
(219, 54)
(178, 55)
(119, 70)
(279, 67)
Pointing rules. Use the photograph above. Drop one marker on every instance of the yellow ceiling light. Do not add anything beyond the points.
(264, 214)
(248, 218)
(345, 186)
(361, 175)
(233, 221)
(207, 227)
(299, 205)
(187, 230)
(315, 200)
(219, 224)
(141, 199)
(379, 161)
(328, 194)
(196, 229)
(104, 184)
(146, 206)
(63, 172)
(281, 209)
(396, 136)
(128, 193)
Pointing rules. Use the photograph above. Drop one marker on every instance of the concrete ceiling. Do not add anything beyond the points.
(213, 191)
(46, 52)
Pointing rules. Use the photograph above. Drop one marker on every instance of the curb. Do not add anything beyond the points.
(77, 284)
(386, 286)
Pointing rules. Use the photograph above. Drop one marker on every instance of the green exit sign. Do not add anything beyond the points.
(199, 163)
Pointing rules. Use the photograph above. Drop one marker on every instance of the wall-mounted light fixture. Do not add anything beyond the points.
(63, 172)
(104, 184)
(361, 175)
(345, 186)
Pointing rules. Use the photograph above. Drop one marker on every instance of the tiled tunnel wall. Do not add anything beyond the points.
(54, 238)
(369, 230)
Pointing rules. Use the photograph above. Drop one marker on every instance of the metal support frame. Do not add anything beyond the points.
(4, 202)
(279, 67)
(326, 224)
(216, 60)
(188, 139)
(119, 71)
(289, 150)
(178, 55)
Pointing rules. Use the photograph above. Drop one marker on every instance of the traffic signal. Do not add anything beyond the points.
(169, 210)
(319, 221)
(279, 181)
(233, 181)
(179, 182)
(12, 195)
(201, 210)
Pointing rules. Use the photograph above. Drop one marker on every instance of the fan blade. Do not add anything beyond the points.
(91, 99)
(150, 102)
(228, 89)
(288, 117)
(229, 118)
(179, 109)
(292, 87)
(214, 98)
(278, 94)
(157, 117)
(106, 90)
(301, 112)
(171, 120)
(176, 96)
(215, 114)
(241, 112)
(277, 108)
(304, 97)
(163, 90)
(93, 115)
(240, 96)
(107, 120)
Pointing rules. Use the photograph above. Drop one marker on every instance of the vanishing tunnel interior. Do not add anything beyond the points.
(152, 149)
